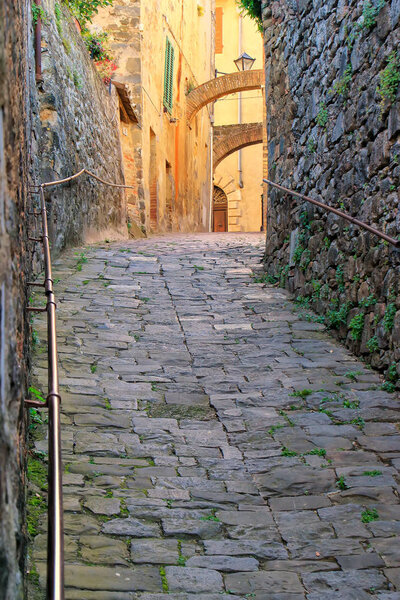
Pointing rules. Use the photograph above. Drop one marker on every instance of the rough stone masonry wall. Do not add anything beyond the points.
(14, 272)
(78, 127)
(331, 137)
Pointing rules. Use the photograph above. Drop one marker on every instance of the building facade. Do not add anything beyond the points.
(164, 50)
(237, 179)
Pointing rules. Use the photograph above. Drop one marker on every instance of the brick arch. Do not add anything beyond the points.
(221, 86)
(230, 138)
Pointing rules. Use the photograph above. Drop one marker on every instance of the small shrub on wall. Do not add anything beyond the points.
(85, 9)
(252, 8)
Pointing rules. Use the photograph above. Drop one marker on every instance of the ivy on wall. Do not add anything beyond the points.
(252, 8)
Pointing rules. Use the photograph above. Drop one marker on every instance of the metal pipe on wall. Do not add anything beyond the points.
(210, 227)
(240, 115)
(38, 43)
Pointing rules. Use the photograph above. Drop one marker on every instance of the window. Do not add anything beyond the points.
(218, 31)
(168, 76)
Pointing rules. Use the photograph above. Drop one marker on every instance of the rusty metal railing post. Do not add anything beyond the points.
(38, 43)
(55, 538)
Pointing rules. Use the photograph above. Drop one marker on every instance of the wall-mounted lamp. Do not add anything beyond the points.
(244, 62)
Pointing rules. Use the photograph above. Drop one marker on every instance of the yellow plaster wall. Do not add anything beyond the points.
(138, 43)
(244, 212)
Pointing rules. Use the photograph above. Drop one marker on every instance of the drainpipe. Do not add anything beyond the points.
(210, 221)
(38, 44)
(240, 116)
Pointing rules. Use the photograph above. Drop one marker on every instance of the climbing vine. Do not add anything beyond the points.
(252, 8)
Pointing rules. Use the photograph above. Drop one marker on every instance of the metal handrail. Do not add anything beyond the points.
(343, 215)
(55, 540)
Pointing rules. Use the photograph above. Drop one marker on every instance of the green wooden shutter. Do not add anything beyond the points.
(168, 76)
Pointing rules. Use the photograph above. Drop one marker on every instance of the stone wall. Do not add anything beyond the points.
(333, 136)
(14, 272)
(77, 126)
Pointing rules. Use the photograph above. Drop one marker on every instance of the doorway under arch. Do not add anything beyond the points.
(220, 210)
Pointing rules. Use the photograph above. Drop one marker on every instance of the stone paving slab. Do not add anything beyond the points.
(215, 444)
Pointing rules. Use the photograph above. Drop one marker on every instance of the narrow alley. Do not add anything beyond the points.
(216, 444)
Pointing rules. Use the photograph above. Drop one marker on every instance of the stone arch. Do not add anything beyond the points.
(230, 138)
(234, 195)
(222, 86)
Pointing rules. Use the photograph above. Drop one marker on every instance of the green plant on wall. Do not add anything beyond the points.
(322, 116)
(342, 85)
(84, 10)
(338, 317)
(368, 21)
(252, 8)
(370, 12)
(388, 319)
(373, 344)
(38, 12)
(389, 79)
(356, 326)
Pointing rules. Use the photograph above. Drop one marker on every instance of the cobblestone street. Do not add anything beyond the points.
(216, 445)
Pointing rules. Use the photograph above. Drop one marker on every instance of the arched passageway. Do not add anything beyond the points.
(221, 86)
(230, 138)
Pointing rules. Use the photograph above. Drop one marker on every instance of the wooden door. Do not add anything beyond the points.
(220, 219)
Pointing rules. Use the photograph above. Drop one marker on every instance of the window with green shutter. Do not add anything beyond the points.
(168, 76)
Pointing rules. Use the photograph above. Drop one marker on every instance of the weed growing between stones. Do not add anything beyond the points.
(389, 80)
(336, 318)
(211, 517)
(374, 473)
(266, 278)
(388, 319)
(37, 473)
(389, 387)
(370, 12)
(181, 558)
(274, 428)
(301, 393)
(369, 514)
(356, 326)
(286, 452)
(342, 85)
(352, 375)
(37, 505)
(352, 404)
(164, 580)
(312, 145)
(358, 421)
(322, 116)
(316, 452)
(373, 344)
(82, 258)
(341, 483)
(78, 84)
(124, 512)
